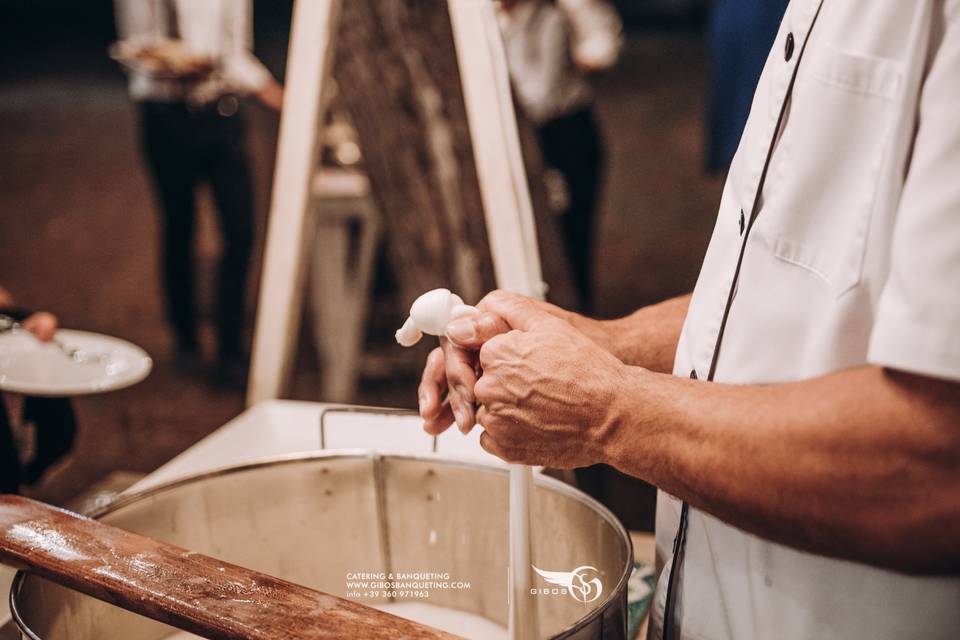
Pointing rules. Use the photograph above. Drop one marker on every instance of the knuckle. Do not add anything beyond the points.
(492, 348)
(489, 325)
(510, 454)
(435, 358)
(496, 295)
(483, 388)
(486, 441)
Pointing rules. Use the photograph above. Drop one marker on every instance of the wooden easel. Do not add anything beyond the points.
(508, 211)
(496, 149)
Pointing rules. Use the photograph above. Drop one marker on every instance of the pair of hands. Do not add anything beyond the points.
(544, 392)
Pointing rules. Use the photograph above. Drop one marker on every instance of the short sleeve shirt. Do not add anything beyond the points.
(846, 253)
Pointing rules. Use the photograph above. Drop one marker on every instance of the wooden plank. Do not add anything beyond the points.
(513, 239)
(496, 146)
(291, 226)
(187, 590)
(397, 75)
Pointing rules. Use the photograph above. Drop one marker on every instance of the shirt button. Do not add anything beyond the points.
(788, 50)
(743, 222)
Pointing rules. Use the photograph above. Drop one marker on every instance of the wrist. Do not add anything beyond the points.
(628, 430)
(648, 337)
(601, 332)
(616, 426)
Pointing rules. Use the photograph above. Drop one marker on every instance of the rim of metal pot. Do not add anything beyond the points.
(359, 454)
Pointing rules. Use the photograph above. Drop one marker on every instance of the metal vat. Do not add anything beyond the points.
(331, 521)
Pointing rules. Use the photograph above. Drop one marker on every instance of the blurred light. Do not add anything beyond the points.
(348, 153)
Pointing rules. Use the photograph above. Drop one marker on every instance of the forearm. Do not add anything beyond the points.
(861, 464)
(648, 337)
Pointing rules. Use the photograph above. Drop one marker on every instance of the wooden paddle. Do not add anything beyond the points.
(178, 587)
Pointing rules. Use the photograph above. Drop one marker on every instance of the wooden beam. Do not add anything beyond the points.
(291, 225)
(181, 588)
(511, 230)
(398, 78)
(496, 147)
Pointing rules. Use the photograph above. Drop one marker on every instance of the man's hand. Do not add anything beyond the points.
(547, 391)
(526, 349)
(647, 338)
(453, 368)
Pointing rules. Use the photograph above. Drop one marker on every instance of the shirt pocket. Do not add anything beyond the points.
(816, 211)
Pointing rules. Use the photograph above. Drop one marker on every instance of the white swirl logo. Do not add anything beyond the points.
(583, 583)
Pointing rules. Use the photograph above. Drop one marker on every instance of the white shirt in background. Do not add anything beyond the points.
(546, 81)
(853, 259)
(220, 29)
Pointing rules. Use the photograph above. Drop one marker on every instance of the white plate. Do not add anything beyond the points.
(36, 368)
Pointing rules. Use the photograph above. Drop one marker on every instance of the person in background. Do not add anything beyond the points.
(53, 417)
(551, 49)
(192, 131)
(741, 35)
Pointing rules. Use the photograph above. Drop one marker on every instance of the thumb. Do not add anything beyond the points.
(519, 312)
(500, 312)
(472, 332)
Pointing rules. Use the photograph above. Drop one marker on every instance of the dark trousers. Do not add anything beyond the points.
(56, 430)
(184, 147)
(9, 460)
(571, 144)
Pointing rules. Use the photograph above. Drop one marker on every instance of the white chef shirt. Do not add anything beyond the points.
(220, 29)
(853, 259)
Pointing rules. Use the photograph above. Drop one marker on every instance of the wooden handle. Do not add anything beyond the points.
(181, 588)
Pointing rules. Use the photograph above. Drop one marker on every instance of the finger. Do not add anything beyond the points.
(505, 453)
(520, 312)
(495, 349)
(460, 380)
(439, 423)
(460, 369)
(436, 414)
(433, 382)
(41, 324)
(495, 420)
(471, 332)
(489, 392)
(491, 446)
(493, 423)
(483, 416)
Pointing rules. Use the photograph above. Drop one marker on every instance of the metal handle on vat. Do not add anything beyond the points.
(364, 410)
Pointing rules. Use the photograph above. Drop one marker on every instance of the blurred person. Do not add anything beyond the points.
(741, 33)
(53, 418)
(551, 48)
(192, 131)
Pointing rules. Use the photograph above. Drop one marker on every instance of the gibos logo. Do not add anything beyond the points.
(583, 583)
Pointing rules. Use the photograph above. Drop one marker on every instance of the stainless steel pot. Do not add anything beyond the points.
(332, 521)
